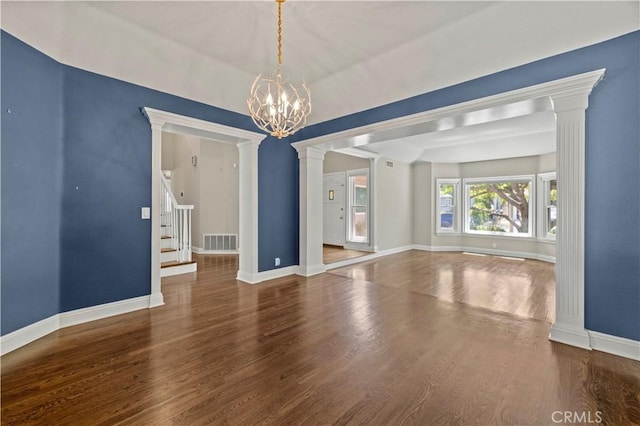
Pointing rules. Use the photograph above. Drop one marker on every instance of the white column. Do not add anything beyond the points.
(248, 208)
(570, 143)
(156, 298)
(311, 211)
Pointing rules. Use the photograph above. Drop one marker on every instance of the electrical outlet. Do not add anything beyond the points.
(277, 261)
(494, 245)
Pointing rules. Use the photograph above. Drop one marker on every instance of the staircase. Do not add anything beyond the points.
(175, 244)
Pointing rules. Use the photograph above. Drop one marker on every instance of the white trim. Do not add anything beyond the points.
(186, 268)
(32, 332)
(267, 275)
(614, 345)
(491, 252)
(247, 143)
(310, 270)
(199, 250)
(155, 300)
(366, 245)
(92, 313)
(576, 84)
(574, 336)
(359, 153)
(465, 205)
(367, 257)
(457, 205)
(22, 336)
(544, 180)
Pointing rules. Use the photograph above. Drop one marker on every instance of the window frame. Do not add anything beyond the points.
(455, 230)
(350, 239)
(544, 180)
(467, 182)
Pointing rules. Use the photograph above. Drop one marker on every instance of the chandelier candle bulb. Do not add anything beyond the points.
(287, 113)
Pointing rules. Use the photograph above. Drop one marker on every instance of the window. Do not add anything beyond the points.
(447, 210)
(358, 206)
(499, 206)
(548, 197)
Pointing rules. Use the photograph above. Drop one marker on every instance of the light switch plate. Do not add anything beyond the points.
(146, 213)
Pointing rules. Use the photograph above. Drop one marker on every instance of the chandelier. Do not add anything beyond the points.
(275, 105)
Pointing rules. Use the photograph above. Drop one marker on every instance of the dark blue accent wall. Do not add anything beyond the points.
(612, 211)
(32, 163)
(278, 204)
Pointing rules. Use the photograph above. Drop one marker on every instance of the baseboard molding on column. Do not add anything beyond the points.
(568, 335)
(271, 274)
(310, 270)
(615, 345)
(155, 300)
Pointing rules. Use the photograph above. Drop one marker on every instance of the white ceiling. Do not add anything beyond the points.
(354, 55)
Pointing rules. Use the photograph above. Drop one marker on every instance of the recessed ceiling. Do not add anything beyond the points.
(514, 130)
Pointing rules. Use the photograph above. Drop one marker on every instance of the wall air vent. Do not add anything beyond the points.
(220, 242)
(390, 164)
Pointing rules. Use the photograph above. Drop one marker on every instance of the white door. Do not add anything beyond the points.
(334, 219)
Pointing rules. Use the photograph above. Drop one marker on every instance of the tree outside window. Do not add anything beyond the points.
(499, 206)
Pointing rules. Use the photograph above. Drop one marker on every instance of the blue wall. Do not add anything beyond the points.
(278, 204)
(32, 166)
(104, 152)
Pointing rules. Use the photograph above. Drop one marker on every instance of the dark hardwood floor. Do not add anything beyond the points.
(333, 254)
(414, 338)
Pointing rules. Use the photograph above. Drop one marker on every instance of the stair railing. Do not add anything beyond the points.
(176, 222)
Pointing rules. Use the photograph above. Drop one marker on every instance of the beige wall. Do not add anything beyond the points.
(212, 185)
(219, 187)
(393, 205)
(337, 162)
(185, 179)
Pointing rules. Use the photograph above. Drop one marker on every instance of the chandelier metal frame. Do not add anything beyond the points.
(275, 104)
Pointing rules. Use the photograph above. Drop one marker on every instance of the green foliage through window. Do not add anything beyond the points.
(499, 206)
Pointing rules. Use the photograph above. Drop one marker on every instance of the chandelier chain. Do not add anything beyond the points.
(280, 32)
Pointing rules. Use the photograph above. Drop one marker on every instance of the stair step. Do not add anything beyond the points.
(175, 263)
(167, 250)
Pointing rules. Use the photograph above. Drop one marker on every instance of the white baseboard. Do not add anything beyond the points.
(367, 257)
(310, 270)
(178, 270)
(156, 299)
(492, 252)
(28, 334)
(106, 310)
(266, 275)
(615, 345)
(570, 336)
(199, 250)
(16, 339)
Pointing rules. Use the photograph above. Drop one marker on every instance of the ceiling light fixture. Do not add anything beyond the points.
(275, 105)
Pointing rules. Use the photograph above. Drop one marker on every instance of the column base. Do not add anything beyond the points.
(309, 270)
(569, 335)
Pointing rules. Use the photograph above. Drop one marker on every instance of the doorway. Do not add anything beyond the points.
(247, 143)
(569, 99)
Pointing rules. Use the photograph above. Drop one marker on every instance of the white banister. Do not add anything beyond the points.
(176, 222)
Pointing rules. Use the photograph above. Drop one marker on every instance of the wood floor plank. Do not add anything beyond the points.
(413, 338)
